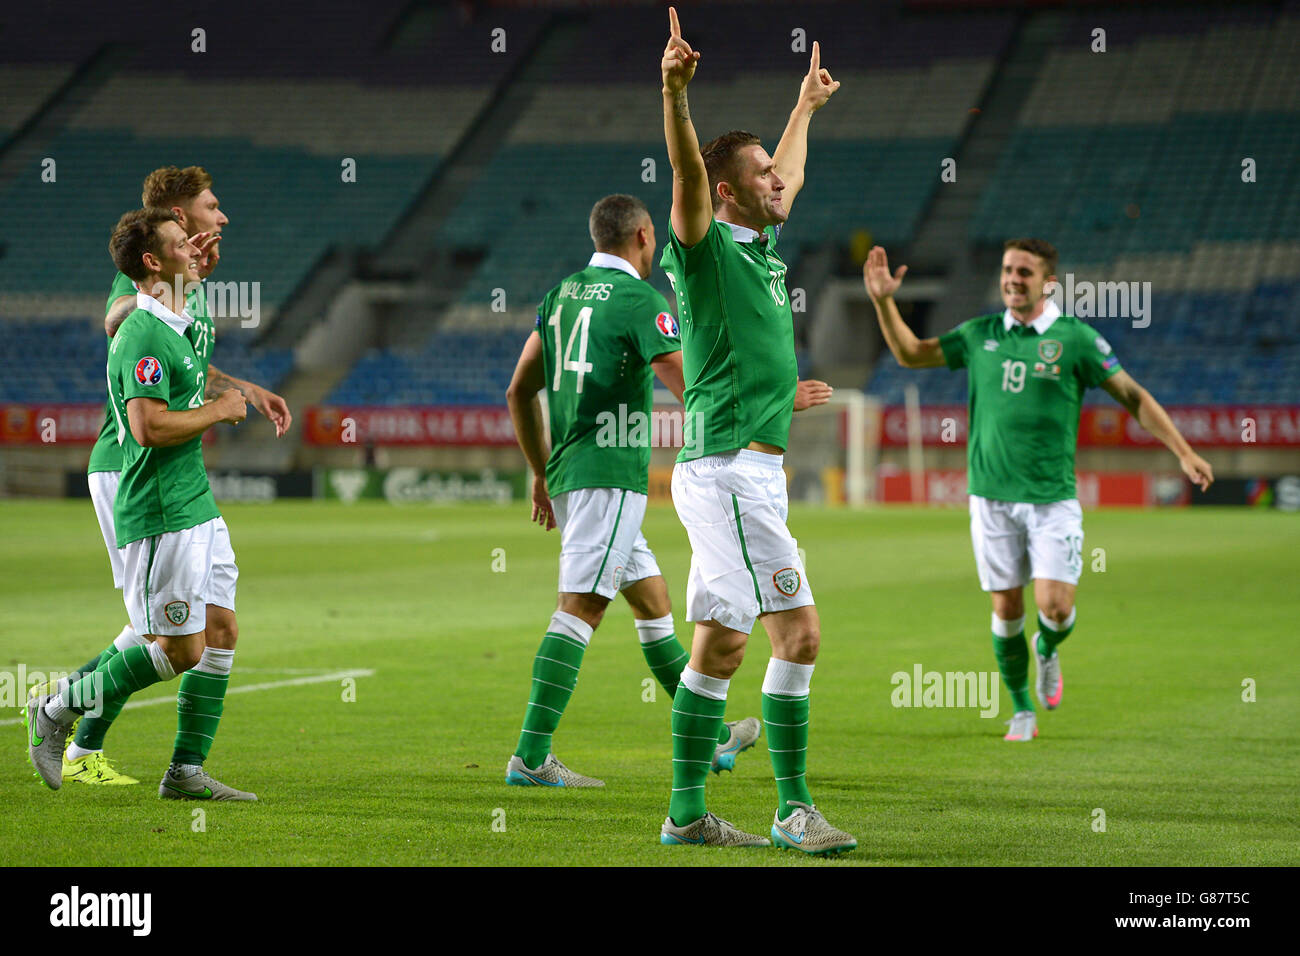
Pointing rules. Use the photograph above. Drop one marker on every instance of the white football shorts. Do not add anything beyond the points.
(744, 562)
(602, 549)
(171, 578)
(1016, 541)
(103, 492)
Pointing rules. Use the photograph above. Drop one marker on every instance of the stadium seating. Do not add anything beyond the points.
(71, 366)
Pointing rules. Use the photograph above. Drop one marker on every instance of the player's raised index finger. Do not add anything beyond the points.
(816, 63)
(674, 28)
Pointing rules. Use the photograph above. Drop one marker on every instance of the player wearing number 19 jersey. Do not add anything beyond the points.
(602, 335)
(1029, 367)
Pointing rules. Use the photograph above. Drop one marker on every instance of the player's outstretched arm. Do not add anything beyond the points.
(910, 351)
(526, 415)
(792, 152)
(1151, 415)
(153, 425)
(668, 369)
(692, 213)
(272, 406)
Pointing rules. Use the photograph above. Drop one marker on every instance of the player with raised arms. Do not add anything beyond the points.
(1028, 367)
(738, 358)
(188, 193)
(178, 566)
(602, 336)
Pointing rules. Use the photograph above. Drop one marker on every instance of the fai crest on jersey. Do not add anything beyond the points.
(1049, 350)
(667, 324)
(148, 371)
(178, 612)
(787, 581)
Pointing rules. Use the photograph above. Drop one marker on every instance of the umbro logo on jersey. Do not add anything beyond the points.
(990, 345)
(666, 323)
(148, 371)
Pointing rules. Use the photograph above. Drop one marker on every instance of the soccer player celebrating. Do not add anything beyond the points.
(1028, 369)
(178, 566)
(728, 486)
(602, 335)
(188, 193)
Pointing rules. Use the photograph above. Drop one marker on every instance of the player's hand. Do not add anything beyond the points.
(208, 244)
(231, 406)
(875, 275)
(1197, 470)
(810, 392)
(274, 408)
(678, 64)
(542, 512)
(817, 85)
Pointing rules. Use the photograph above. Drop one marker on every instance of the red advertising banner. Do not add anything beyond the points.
(50, 424)
(1260, 426)
(409, 425)
(1094, 488)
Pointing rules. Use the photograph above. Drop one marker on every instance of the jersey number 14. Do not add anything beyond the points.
(577, 334)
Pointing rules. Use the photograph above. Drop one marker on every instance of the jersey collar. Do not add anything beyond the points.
(605, 260)
(1041, 324)
(740, 233)
(177, 323)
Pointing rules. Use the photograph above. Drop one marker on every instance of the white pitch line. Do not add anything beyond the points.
(241, 689)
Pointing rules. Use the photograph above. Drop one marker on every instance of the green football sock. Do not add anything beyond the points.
(200, 700)
(555, 675)
(1013, 662)
(1050, 633)
(91, 730)
(786, 721)
(695, 723)
(666, 658)
(118, 678)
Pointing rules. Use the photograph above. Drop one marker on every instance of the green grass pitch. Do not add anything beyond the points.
(1153, 729)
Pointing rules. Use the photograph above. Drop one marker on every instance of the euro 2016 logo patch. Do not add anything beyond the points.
(787, 581)
(1049, 350)
(148, 371)
(667, 324)
(178, 612)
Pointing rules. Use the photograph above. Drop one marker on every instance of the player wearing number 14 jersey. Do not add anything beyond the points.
(602, 335)
(1028, 369)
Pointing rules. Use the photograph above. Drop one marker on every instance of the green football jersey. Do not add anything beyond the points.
(601, 328)
(162, 489)
(737, 339)
(202, 333)
(1025, 393)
